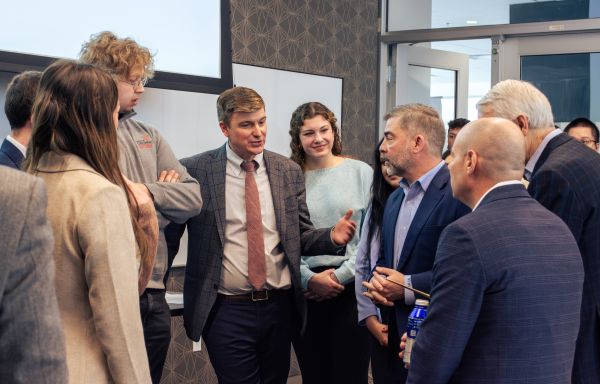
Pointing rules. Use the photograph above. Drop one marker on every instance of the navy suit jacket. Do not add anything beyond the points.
(437, 209)
(506, 294)
(10, 155)
(566, 180)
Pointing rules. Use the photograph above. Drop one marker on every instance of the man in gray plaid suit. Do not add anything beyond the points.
(247, 326)
(32, 344)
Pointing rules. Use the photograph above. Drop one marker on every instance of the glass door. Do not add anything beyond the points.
(566, 68)
(434, 77)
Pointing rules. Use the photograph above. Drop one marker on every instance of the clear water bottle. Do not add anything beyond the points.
(415, 319)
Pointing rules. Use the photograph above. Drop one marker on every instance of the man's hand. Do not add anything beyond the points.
(168, 176)
(378, 330)
(344, 229)
(402, 347)
(324, 286)
(383, 291)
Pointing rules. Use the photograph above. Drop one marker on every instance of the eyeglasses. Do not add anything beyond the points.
(587, 141)
(136, 83)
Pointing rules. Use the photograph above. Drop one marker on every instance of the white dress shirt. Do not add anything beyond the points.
(234, 274)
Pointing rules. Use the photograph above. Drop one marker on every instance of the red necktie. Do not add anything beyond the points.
(257, 271)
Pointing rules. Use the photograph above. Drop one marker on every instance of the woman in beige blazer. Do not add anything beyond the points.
(74, 149)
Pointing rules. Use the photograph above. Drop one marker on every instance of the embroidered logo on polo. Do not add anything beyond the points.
(145, 142)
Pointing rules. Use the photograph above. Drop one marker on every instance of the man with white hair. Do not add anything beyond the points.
(564, 176)
(499, 274)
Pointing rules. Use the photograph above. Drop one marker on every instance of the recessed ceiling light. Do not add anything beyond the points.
(471, 21)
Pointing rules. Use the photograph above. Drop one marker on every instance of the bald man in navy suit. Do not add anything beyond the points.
(507, 278)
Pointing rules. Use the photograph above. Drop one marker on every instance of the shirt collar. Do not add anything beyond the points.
(237, 161)
(20, 147)
(530, 166)
(497, 185)
(424, 180)
(127, 115)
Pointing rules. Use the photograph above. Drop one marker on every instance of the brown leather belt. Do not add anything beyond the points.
(265, 294)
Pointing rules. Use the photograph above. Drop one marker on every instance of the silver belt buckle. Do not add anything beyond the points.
(260, 295)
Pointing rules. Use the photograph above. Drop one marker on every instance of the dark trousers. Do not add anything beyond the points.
(249, 342)
(398, 373)
(334, 348)
(156, 321)
(380, 361)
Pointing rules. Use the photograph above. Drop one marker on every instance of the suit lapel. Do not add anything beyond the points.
(392, 209)
(12, 152)
(432, 197)
(217, 188)
(552, 144)
(276, 179)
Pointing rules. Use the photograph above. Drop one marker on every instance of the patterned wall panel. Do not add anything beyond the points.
(325, 37)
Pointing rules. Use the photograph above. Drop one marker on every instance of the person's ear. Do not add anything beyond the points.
(471, 161)
(224, 128)
(523, 123)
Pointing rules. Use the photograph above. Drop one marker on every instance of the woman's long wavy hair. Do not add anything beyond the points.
(73, 113)
(308, 111)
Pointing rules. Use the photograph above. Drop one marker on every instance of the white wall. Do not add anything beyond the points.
(4, 126)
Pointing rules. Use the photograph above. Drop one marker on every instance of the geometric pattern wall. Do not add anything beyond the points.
(324, 37)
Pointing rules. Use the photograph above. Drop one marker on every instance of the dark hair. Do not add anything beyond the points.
(308, 111)
(380, 191)
(73, 113)
(19, 98)
(583, 122)
(457, 123)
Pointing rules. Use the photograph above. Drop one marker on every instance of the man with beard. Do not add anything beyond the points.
(415, 215)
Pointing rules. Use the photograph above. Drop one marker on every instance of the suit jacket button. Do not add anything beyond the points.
(216, 286)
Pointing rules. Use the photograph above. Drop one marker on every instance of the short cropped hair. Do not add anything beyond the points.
(20, 95)
(238, 99)
(421, 119)
(457, 123)
(584, 122)
(117, 56)
(511, 98)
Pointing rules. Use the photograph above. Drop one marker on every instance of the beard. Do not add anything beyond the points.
(399, 166)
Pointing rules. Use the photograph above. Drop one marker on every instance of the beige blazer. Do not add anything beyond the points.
(96, 273)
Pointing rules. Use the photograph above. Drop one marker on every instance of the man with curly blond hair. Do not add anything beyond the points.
(147, 160)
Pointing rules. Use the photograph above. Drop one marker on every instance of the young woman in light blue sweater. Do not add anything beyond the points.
(334, 348)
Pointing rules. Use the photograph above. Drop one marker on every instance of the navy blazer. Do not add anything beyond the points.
(437, 209)
(506, 294)
(10, 155)
(566, 180)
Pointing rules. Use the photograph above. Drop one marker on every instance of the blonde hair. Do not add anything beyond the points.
(421, 119)
(117, 56)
